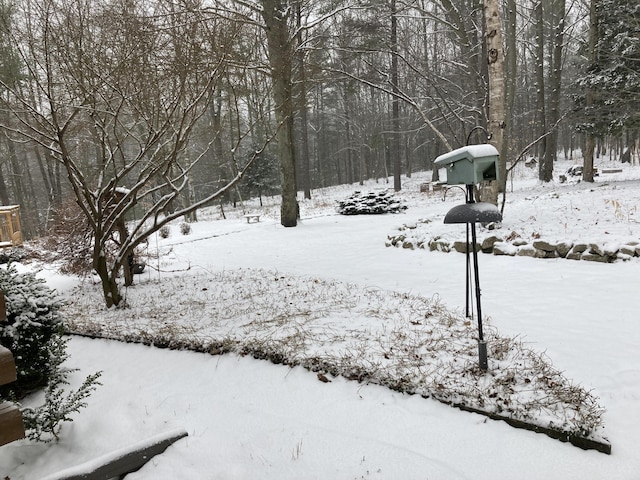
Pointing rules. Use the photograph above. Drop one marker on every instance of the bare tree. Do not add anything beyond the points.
(132, 79)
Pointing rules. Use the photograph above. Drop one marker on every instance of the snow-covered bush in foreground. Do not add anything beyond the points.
(33, 332)
(408, 343)
(33, 329)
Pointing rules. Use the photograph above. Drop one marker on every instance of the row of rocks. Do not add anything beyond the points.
(496, 245)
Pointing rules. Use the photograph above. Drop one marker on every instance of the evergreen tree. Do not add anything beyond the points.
(34, 334)
(613, 76)
(33, 330)
(261, 177)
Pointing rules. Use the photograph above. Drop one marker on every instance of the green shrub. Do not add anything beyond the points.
(34, 334)
(33, 329)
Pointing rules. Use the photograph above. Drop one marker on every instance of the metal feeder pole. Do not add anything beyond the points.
(482, 345)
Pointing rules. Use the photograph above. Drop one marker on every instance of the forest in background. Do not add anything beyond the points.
(177, 103)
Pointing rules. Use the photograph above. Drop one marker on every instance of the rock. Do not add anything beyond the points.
(594, 257)
(611, 249)
(439, 245)
(544, 245)
(607, 251)
(629, 250)
(579, 248)
(461, 246)
(572, 255)
(596, 249)
(563, 248)
(487, 243)
(519, 242)
(527, 251)
(408, 244)
(396, 240)
(504, 248)
(540, 253)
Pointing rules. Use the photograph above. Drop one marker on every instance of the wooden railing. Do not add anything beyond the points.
(11, 424)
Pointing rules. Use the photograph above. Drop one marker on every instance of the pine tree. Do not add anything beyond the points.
(613, 76)
(34, 334)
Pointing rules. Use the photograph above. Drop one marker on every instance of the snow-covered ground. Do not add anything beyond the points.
(251, 419)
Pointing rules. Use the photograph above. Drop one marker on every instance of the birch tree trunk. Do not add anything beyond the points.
(496, 114)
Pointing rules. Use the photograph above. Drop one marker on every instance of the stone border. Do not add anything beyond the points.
(538, 248)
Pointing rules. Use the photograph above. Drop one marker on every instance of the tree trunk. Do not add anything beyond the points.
(555, 83)
(305, 174)
(280, 58)
(587, 169)
(540, 95)
(511, 77)
(395, 102)
(495, 61)
(4, 193)
(110, 289)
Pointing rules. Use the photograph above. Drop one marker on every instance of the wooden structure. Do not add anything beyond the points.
(252, 217)
(10, 229)
(11, 424)
(124, 461)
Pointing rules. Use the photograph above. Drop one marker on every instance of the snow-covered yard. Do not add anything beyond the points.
(248, 418)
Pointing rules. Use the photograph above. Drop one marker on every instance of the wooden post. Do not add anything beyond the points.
(3, 308)
(11, 424)
(7, 367)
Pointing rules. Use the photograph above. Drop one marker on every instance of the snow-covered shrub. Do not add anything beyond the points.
(33, 329)
(43, 423)
(165, 232)
(34, 334)
(185, 228)
(371, 203)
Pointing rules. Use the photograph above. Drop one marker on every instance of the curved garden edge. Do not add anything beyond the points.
(320, 366)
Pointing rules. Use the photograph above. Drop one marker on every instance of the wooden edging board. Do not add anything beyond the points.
(576, 440)
(121, 462)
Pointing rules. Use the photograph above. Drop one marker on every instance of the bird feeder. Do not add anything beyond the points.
(467, 166)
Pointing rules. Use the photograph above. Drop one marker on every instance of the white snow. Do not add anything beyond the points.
(467, 153)
(251, 419)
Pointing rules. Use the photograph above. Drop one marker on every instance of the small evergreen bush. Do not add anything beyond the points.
(185, 228)
(165, 231)
(371, 203)
(43, 423)
(33, 329)
(34, 334)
